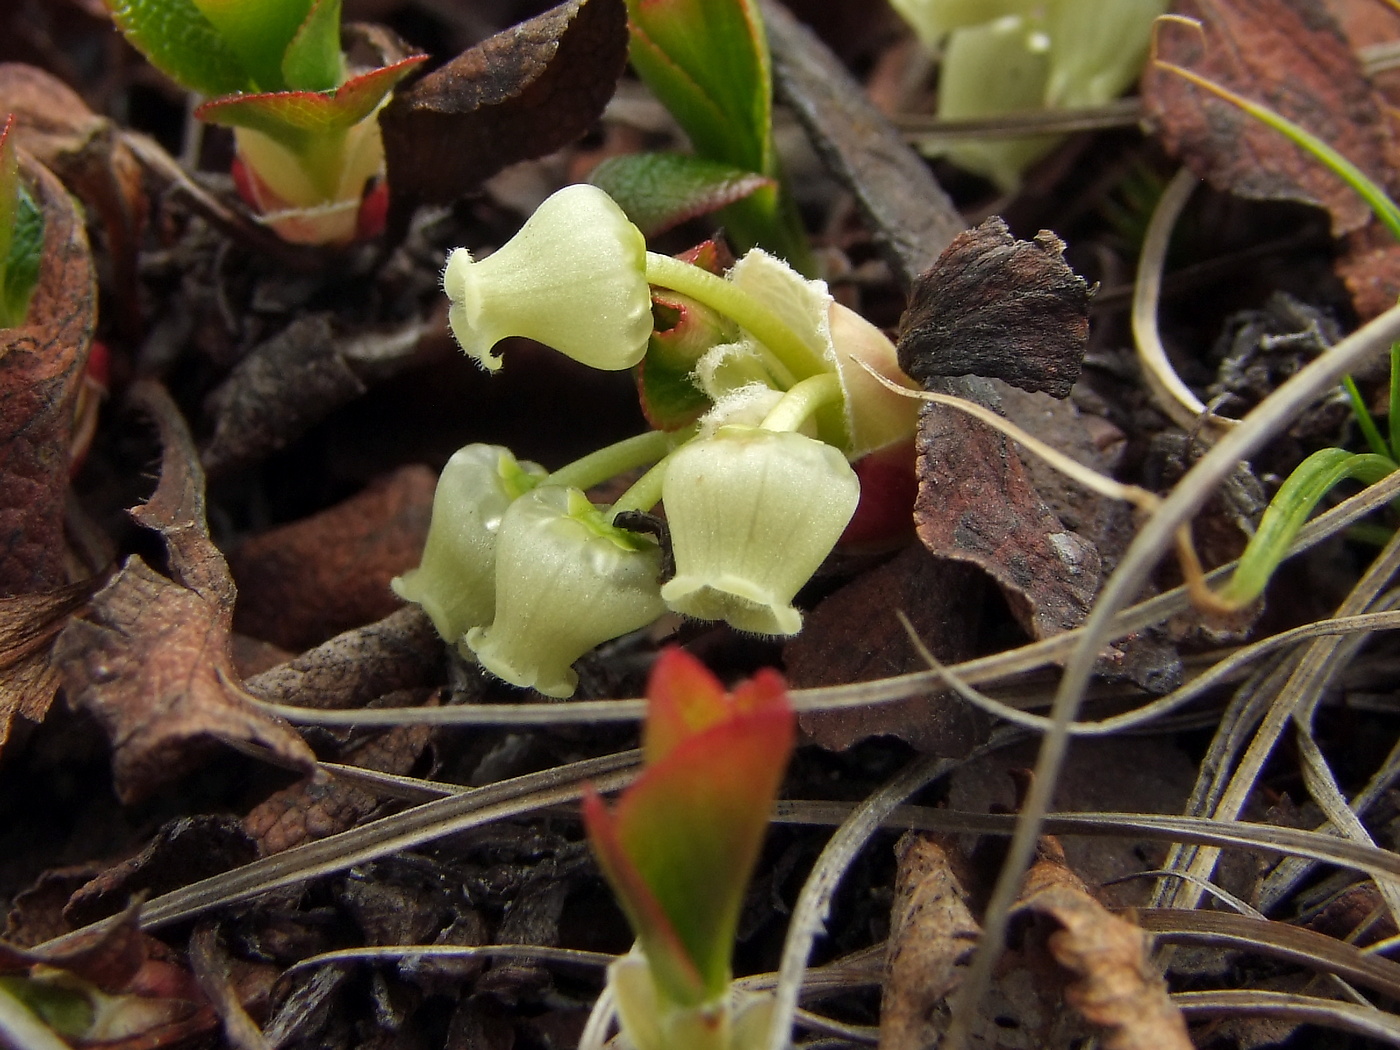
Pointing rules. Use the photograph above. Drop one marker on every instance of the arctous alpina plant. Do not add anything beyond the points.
(309, 158)
(761, 389)
(679, 847)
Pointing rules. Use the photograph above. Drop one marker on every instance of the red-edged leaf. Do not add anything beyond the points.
(287, 116)
(692, 826)
(662, 190)
(684, 698)
(662, 944)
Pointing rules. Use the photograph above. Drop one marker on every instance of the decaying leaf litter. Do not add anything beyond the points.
(274, 414)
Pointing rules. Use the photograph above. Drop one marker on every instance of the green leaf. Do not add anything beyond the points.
(21, 236)
(9, 185)
(707, 60)
(312, 61)
(179, 41)
(1310, 481)
(291, 116)
(661, 190)
(259, 32)
(22, 261)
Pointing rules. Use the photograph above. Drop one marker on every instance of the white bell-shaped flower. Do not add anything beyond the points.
(752, 513)
(566, 581)
(455, 581)
(573, 278)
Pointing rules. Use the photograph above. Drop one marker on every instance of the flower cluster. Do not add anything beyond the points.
(760, 388)
(1013, 56)
(678, 849)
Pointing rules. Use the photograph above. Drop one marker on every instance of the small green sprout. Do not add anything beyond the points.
(707, 61)
(678, 850)
(21, 236)
(1016, 56)
(309, 158)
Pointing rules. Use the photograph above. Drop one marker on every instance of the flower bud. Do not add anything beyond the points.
(573, 278)
(566, 581)
(752, 514)
(455, 582)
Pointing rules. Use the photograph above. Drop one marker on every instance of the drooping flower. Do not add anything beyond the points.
(566, 581)
(752, 514)
(573, 278)
(455, 581)
(680, 846)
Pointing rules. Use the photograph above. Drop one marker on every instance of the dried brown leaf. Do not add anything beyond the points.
(302, 583)
(1290, 56)
(518, 95)
(182, 852)
(854, 635)
(28, 625)
(315, 807)
(293, 380)
(154, 1001)
(1369, 265)
(1116, 986)
(977, 504)
(932, 935)
(152, 662)
(1000, 308)
(41, 370)
(401, 651)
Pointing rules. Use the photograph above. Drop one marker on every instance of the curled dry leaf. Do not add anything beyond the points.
(1115, 987)
(302, 583)
(1287, 55)
(518, 95)
(1000, 308)
(932, 935)
(854, 635)
(41, 372)
(93, 158)
(152, 661)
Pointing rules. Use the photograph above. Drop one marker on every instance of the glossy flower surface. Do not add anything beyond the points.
(573, 278)
(565, 582)
(455, 582)
(752, 514)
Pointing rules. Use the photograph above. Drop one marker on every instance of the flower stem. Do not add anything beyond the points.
(745, 310)
(644, 494)
(802, 400)
(611, 460)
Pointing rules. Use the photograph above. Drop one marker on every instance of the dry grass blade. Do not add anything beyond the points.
(1296, 1009)
(1324, 658)
(1155, 536)
(398, 952)
(1168, 390)
(809, 913)
(391, 834)
(1279, 940)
